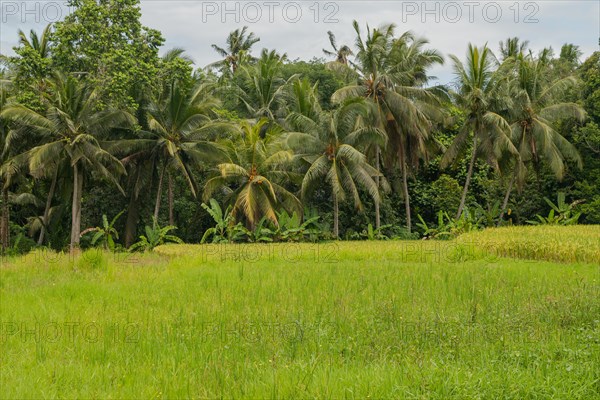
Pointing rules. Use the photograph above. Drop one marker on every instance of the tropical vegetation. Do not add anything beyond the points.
(366, 139)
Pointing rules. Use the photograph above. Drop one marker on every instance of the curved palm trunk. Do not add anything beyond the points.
(377, 166)
(158, 194)
(171, 216)
(463, 199)
(506, 198)
(47, 208)
(406, 197)
(336, 217)
(76, 208)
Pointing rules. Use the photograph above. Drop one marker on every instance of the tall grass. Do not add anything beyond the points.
(349, 320)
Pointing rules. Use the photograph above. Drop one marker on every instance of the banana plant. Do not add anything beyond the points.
(561, 213)
(155, 236)
(292, 229)
(106, 233)
(225, 229)
(262, 233)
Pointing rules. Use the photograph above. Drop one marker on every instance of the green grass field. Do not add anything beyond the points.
(415, 320)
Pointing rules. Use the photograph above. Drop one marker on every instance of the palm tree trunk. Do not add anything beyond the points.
(158, 193)
(506, 198)
(133, 213)
(377, 212)
(463, 199)
(336, 217)
(5, 220)
(47, 208)
(76, 208)
(406, 196)
(171, 217)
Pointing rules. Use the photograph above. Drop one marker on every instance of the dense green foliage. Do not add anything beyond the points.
(93, 120)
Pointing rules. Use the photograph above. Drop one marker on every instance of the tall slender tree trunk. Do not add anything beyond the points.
(47, 208)
(406, 196)
(133, 213)
(158, 194)
(463, 199)
(506, 198)
(5, 220)
(171, 216)
(377, 182)
(76, 208)
(336, 217)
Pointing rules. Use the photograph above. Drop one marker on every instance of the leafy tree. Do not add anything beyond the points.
(587, 140)
(105, 43)
(70, 130)
(317, 73)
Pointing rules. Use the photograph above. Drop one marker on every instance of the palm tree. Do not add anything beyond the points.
(39, 43)
(392, 75)
(326, 144)
(479, 95)
(262, 89)
(179, 126)
(340, 54)
(175, 57)
(70, 130)
(253, 174)
(537, 108)
(239, 44)
(4, 154)
(512, 47)
(175, 69)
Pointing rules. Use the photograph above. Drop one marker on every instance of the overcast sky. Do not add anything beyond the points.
(300, 28)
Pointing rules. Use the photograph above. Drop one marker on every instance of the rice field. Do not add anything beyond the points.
(405, 320)
(579, 243)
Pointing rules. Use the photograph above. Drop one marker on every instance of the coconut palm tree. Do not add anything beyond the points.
(253, 174)
(538, 106)
(239, 44)
(340, 54)
(39, 43)
(180, 124)
(71, 129)
(327, 145)
(5, 84)
(479, 95)
(262, 88)
(392, 75)
(512, 47)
